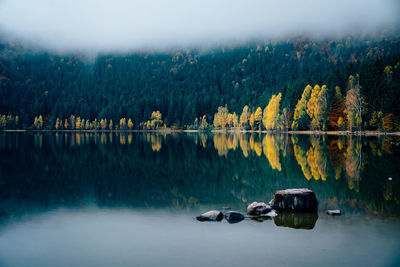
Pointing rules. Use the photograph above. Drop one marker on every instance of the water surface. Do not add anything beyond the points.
(111, 199)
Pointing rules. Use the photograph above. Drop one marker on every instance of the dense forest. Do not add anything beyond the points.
(189, 88)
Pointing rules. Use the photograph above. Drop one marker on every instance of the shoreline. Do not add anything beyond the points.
(223, 131)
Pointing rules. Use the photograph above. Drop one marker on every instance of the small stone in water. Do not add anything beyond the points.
(333, 212)
(234, 217)
(390, 178)
(212, 215)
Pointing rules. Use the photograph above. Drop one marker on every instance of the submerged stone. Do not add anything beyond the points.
(334, 212)
(212, 215)
(296, 220)
(258, 209)
(295, 200)
(234, 217)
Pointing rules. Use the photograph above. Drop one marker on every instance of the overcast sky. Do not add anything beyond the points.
(107, 25)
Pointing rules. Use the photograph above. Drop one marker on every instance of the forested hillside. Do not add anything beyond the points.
(188, 84)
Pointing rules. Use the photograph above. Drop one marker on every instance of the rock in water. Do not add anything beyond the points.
(295, 200)
(334, 212)
(212, 215)
(258, 209)
(234, 217)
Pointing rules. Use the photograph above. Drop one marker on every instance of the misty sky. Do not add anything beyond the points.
(106, 25)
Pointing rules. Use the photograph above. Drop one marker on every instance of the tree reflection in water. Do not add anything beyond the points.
(192, 170)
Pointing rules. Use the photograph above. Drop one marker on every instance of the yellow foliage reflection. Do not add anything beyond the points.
(353, 163)
(316, 158)
(156, 142)
(301, 158)
(271, 151)
(221, 144)
(244, 145)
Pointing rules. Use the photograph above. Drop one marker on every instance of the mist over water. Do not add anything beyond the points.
(121, 25)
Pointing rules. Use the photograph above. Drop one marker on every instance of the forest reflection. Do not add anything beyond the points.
(191, 169)
(315, 158)
(319, 157)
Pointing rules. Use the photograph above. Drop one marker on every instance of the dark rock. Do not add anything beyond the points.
(295, 200)
(258, 209)
(334, 212)
(212, 215)
(234, 217)
(296, 220)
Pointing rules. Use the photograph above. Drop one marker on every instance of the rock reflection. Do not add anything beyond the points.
(296, 220)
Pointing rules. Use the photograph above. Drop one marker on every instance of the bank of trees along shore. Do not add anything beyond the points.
(185, 85)
(318, 109)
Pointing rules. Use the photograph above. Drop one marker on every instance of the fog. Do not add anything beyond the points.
(122, 25)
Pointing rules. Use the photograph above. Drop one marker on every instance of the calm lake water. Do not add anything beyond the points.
(131, 199)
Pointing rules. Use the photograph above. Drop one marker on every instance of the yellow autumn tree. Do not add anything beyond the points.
(258, 118)
(244, 118)
(221, 117)
(312, 102)
(320, 110)
(57, 125)
(103, 124)
(203, 124)
(122, 124)
(156, 119)
(38, 122)
(251, 121)
(300, 118)
(130, 124)
(271, 112)
(78, 123)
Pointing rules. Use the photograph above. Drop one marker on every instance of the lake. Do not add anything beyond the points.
(111, 199)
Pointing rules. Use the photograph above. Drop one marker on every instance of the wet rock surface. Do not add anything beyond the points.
(234, 217)
(212, 215)
(258, 209)
(295, 200)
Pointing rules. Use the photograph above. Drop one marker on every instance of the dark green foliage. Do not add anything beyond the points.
(186, 85)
